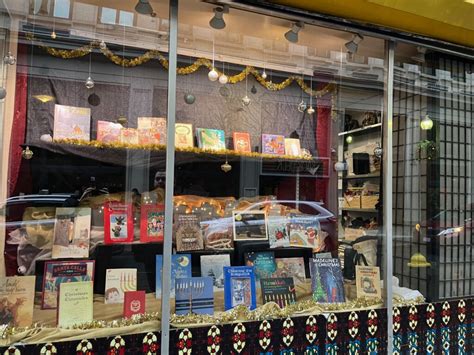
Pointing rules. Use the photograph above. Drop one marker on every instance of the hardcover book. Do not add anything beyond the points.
(134, 303)
(291, 267)
(278, 235)
(108, 132)
(249, 225)
(117, 282)
(180, 268)
(58, 272)
(17, 294)
(239, 287)
(273, 144)
(242, 142)
(263, 263)
(152, 223)
(183, 135)
(75, 303)
(213, 266)
(151, 130)
(292, 147)
(327, 284)
(118, 223)
(188, 233)
(129, 135)
(368, 281)
(194, 295)
(72, 122)
(304, 231)
(217, 236)
(212, 139)
(279, 290)
(71, 232)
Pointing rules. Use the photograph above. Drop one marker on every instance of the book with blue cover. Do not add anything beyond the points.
(180, 268)
(263, 262)
(239, 287)
(194, 295)
(327, 283)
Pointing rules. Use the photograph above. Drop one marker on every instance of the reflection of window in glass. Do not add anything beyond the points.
(108, 15)
(125, 18)
(61, 8)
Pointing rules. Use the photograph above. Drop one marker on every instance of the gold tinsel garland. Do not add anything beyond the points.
(198, 63)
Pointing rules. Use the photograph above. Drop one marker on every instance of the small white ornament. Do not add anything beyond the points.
(46, 138)
(89, 83)
(246, 100)
(310, 110)
(302, 106)
(223, 79)
(213, 75)
(264, 75)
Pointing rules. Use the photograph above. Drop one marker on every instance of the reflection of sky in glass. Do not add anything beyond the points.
(61, 8)
(126, 18)
(108, 15)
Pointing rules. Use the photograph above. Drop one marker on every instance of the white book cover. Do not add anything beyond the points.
(117, 282)
(213, 266)
(72, 231)
(72, 122)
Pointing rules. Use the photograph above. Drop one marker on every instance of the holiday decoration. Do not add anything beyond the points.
(213, 340)
(239, 337)
(264, 334)
(226, 167)
(189, 98)
(150, 344)
(89, 83)
(27, 153)
(185, 342)
(48, 349)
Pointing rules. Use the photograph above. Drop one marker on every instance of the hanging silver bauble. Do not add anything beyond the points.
(189, 98)
(302, 106)
(226, 167)
(53, 35)
(213, 75)
(9, 59)
(246, 100)
(264, 75)
(3, 93)
(89, 83)
(27, 153)
(223, 79)
(378, 151)
(310, 110)
(102, 45)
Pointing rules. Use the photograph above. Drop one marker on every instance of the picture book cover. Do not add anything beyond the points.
(291, 267)
(217, 236)
(249, 225)
(279, 290)
(72, 232)
(58, 272)
(368, 281)
(278, 235)
(108, 132)
(263, 263)
(292, 147)
(72, 122)
(183, 135)
(151, 130)
(129, 135)
(242, 142)
(213, 266)
(75, 303)
(152, 223)
(304, 231)
(117, 282)
(194, 295)
(212, 139)
(180, 268)
(118, 223)
(17, 294)
(134, 303)
(239, 287)
(327, 284)
(188, 234)
(273, 144)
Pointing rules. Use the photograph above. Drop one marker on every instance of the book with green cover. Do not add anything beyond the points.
(213, 139)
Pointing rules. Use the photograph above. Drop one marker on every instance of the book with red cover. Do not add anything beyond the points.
(242, 142)
(152, 223)
(118, 223)
(108, 132)
(134, 303)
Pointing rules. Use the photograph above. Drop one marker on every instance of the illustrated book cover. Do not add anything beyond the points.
(213, 266)
(183, 136)
(129, 136)
(273, 144)
(249, 225)
(292, 147)
(217, 236)
(151, 130)
(72, 231)
(304, 231)
(194, 295)
(188, 234)
(278, 235)
(291, 267)
(75, 303)
(368, 281)
(327, 283)
(212, 139)
(17, 294)
(180, 268)
(242, 142)
(279, 290)
(108, 132)
(72, 122)
(263, 263)
(117, 282)
(118, 223)
(152, 223)
(239, 287)
(134, 303)
(58, 272)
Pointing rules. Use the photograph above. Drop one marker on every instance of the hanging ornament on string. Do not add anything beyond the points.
(223, 79)
(27, 153)
(53, 33)
(246, 99)
(264, 74)
(310, 109)
(189, 97)
(302, 104)
(89, 82)
(9, 59)
(226, 167)
(213, 75)
(102, 45)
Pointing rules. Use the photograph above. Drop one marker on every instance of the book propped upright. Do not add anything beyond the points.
(72, 122)
(72, 230)
(17, 294)
(108, 132)
(279, 290)
(212, 139)
(188, 234)
(183, 136)
(368, 281)
(117, 283)
(242, 142)
(75, 303)
(118, 223)
(134, 303)
(327, 284)
(194, 295)
(239, 287)
(263, 263)
(180, 268)
(273, 144)
(152, 223)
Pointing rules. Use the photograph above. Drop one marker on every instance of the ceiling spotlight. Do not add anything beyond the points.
(217, 21)
(292, 35)
(353, 44)
(143, 7)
